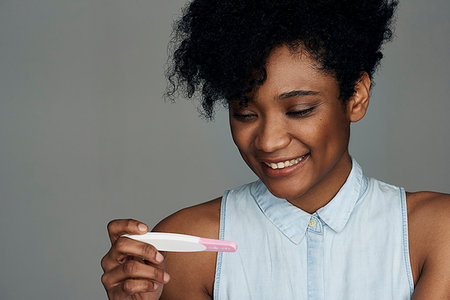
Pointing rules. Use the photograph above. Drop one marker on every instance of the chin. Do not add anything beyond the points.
(283, 191)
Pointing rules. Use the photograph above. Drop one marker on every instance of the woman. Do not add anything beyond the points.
(294, 75)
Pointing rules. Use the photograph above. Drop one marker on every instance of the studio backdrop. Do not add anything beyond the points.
(85, 136)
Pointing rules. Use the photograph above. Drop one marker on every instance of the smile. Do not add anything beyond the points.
(285, 164)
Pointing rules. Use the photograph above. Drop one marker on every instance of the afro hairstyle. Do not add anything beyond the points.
(219, 47)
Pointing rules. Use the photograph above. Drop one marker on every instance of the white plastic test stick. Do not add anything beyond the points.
(183, 243)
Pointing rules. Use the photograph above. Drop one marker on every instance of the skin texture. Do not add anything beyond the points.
(272, 129)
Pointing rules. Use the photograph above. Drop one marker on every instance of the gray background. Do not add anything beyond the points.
(85, 136)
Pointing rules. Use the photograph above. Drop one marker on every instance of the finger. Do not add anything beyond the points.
(118, 227)
(134, 286)
(112, 259)
(134, 269)
(125, 247)
(124, 290)
(107, 263)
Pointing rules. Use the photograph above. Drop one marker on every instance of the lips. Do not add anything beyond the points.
(277, 167)
(284, 163)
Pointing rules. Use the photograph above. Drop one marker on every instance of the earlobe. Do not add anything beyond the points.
(358, 103)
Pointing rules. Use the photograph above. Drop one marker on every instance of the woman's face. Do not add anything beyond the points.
(294, 132)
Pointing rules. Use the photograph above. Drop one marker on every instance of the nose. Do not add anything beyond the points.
(272, 135)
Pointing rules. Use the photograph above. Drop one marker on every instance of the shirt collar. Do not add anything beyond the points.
(293, 222)
(337, 212)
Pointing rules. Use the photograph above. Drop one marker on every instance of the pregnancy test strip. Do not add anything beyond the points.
(182, 242)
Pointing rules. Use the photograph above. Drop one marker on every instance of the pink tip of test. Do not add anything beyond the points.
(218, 245)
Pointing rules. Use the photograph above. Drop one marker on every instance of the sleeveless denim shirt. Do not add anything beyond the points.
(355, 247)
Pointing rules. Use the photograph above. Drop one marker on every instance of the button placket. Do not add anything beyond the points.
(314, 237)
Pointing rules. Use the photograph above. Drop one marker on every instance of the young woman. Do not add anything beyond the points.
(294, 75)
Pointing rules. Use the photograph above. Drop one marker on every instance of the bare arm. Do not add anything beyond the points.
(192, 274)
(429, 231)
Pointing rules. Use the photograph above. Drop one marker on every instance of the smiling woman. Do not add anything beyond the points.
(297, 115)
(294, 76)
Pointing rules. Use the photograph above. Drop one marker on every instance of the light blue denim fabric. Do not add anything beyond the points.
(355, 247)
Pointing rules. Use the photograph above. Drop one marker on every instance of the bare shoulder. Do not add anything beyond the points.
(192, 274)
(429, 241)
(202, 220)
(429, 215)
(429, 200)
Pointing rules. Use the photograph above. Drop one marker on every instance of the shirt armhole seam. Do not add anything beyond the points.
(405, 242)
(221, 237)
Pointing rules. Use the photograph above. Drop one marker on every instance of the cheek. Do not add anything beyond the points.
(241, 143)
(240, 137)
(312, 132)
(242, 133)
(325, 133)
(336, 134)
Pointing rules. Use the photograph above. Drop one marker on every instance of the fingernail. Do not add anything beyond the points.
(159, 257)
(166, 277)
(142, 227)
(155, 286)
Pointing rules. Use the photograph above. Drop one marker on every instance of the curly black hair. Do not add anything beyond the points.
(219, 47)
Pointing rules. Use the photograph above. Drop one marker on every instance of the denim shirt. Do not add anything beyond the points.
(355, 247)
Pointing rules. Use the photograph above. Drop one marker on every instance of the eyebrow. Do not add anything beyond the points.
(297, 93)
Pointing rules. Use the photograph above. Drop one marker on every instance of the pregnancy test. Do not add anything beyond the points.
(182, 242)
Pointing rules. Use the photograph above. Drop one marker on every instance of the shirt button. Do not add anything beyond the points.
(312, 222)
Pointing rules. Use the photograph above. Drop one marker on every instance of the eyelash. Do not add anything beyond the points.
(294, 114)
(243, 117)
(300, 113)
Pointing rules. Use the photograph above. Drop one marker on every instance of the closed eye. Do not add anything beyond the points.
(244, 117)
(300, 113)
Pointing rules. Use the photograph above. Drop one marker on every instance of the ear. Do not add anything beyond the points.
(358, 103)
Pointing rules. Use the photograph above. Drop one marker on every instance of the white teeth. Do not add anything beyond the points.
(288, 163)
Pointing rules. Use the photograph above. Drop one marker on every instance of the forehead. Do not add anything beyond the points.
(289, 70)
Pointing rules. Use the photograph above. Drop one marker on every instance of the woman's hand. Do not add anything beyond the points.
(132, 269)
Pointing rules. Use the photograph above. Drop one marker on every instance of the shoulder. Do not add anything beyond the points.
(429, 240)
(202, 220)
(192, 274)
(429, 211)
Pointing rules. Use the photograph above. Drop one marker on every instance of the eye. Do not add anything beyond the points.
(246, 117)
(243, 113)
(300, 113)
